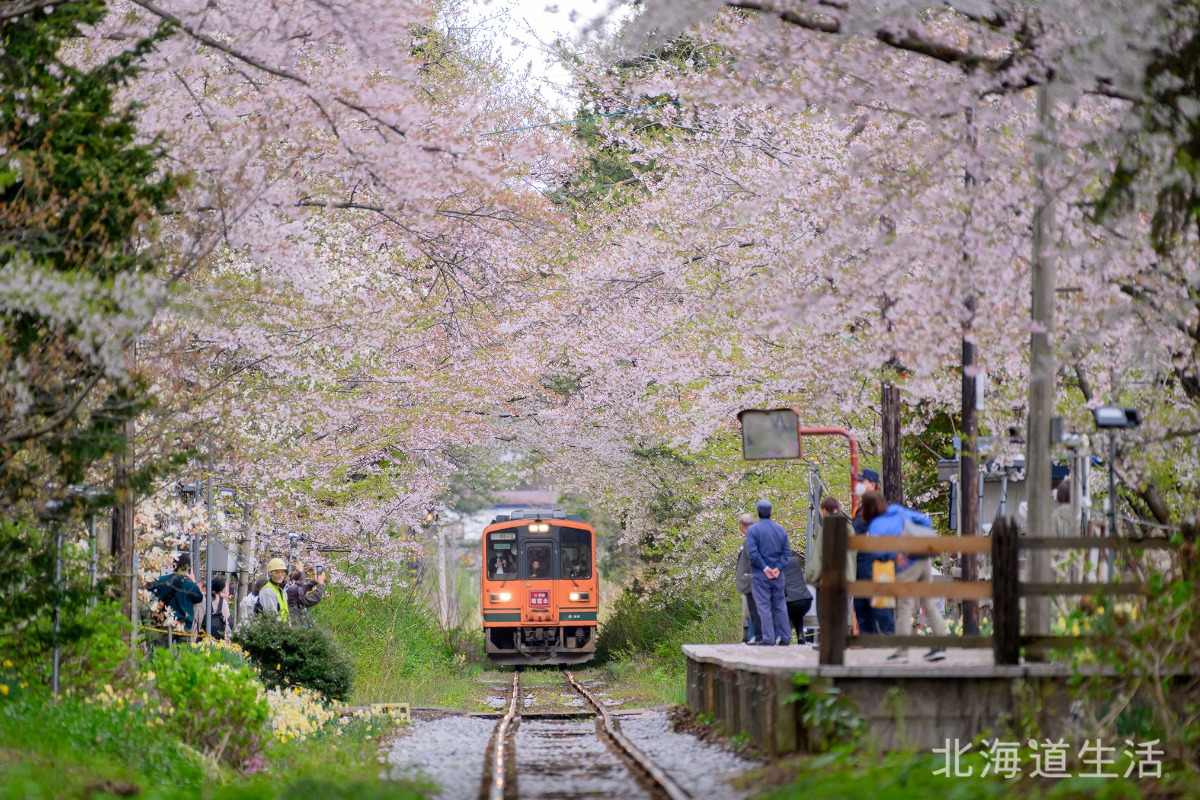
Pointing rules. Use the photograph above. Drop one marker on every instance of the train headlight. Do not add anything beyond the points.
(500, 597)
(578, 596)
(539, 528)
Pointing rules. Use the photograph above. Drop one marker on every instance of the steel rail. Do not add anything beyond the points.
(496, 786)
(664, 782)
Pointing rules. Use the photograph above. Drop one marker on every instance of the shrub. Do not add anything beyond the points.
(287, 655)
(214, 707)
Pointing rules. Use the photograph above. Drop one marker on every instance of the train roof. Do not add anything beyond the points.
(521, 514)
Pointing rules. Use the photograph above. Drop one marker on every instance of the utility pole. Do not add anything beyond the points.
(208, 512)
(1041, 369)
(443, 581)
(246, 559)
(122, 524)
(893, 487)
(53, 513)
(452, 567)
(968, 497)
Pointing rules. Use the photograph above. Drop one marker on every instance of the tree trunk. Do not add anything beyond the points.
(968, 480)
(893, 486)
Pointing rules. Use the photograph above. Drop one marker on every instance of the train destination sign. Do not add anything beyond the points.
(504, 536)
(772, 434)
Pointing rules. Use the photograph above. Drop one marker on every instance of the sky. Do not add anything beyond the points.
(526, 29)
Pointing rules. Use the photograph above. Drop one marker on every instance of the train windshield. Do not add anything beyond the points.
(501, 555)
(537, 562)
(576, 548)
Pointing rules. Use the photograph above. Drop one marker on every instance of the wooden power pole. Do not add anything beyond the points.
(968, 477)
(1041, 372)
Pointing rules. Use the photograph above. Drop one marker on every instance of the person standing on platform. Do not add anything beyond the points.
(744, 580)
(870, 619)
(796, 595)
(889, 520)
(768, 548)
(830, 507)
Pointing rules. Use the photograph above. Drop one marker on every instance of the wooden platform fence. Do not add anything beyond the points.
(1005, 589)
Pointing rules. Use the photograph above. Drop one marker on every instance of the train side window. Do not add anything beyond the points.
(537, 562)
(501, 560)
(576, 548)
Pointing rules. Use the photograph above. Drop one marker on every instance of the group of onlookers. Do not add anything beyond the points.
(775, 588)
(273, 596)
(771, 581)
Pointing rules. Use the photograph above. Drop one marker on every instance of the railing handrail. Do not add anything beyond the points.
(1005, 589)
(919, 544)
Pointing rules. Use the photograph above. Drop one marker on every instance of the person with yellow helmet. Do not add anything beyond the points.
(271, 598)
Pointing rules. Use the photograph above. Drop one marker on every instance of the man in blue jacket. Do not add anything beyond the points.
(768, 548)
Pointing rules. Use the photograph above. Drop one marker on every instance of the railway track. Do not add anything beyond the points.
(564, 756)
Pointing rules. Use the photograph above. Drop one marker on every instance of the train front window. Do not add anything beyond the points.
(537, 562)
(501, 555)
(576, 548)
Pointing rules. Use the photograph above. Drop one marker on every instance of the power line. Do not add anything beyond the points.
(580, 119)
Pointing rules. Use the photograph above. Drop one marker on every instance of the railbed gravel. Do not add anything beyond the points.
(700, 768)
(447, 751)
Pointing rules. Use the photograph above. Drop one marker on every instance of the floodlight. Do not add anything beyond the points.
(1116, 417)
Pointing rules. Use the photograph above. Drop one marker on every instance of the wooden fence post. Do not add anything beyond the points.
(831, 595)
(1006, 592)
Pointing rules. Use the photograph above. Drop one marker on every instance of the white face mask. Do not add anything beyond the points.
(860, 488)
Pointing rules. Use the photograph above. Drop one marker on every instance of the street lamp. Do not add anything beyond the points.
(294, 538)
(1112, 419)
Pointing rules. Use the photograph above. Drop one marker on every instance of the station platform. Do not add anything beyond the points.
(752, 691)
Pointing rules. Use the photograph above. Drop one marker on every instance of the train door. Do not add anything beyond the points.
(539, 560)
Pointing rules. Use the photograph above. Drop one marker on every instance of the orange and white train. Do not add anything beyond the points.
(540, 592)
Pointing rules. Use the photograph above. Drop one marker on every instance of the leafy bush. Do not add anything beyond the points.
(215, 708)
(644, 624)
(288, 655)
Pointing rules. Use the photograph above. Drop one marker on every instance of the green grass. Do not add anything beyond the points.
(399, 653)
(74, 749)
(847, 774)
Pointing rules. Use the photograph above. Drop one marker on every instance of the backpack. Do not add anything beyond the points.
(158, 614)
(915, 529)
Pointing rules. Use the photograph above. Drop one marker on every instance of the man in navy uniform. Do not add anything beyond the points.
(768, 548)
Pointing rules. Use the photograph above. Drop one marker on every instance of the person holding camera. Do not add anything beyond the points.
(176, 591)
(272, 600)
(304, 593)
